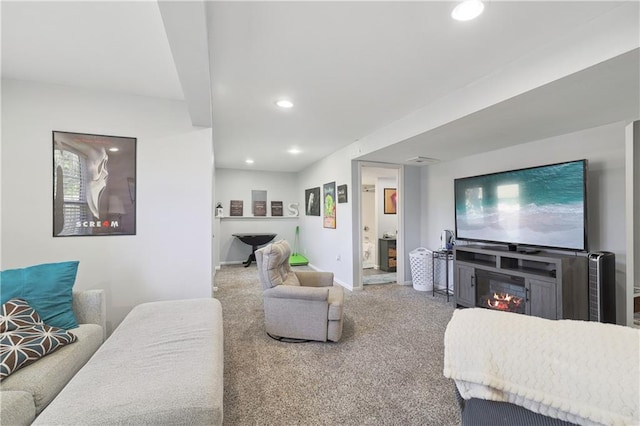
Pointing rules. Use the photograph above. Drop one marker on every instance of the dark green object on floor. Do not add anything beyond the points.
(297, 259)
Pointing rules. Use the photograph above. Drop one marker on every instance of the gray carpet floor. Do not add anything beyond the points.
(386, 370)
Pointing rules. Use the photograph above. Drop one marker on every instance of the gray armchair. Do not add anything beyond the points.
(298, 305)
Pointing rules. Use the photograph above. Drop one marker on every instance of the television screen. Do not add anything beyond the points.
(540, 206)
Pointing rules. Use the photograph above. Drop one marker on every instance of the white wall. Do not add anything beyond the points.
(215, 247)
(170, 257)
(369, 220)
(411, 217)
(369, 215)
(233, 184)
(329, 249)
(602, 146)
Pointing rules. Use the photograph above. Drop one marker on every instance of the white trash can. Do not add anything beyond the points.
(421, 260)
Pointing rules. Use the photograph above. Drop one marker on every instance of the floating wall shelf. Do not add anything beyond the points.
(255, 217)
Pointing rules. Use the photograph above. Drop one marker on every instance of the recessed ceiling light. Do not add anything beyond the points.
(248, 161)
(284, 103)
(294, 151)
(467, 10)
(114, 149)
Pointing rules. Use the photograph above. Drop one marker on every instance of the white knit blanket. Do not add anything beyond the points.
(581, 372)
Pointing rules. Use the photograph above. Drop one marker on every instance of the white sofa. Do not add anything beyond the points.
(26, 392)
(162, 365)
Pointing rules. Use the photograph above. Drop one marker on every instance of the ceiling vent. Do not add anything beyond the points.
(422, 160)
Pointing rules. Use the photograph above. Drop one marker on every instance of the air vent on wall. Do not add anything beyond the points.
(422, 160)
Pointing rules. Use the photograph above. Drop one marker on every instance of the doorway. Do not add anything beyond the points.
(379, 224)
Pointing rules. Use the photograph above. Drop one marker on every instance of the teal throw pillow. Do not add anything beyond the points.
(47, 288)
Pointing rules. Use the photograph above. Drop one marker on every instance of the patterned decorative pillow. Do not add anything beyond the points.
(23, 342)
(17, 313)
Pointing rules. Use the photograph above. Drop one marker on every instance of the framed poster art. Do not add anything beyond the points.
(390, 199)
(312, 201)
(342, 193)
(329, 210)
(94, 192)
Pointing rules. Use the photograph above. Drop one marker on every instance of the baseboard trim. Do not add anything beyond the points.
(348, 287)
(337, 281)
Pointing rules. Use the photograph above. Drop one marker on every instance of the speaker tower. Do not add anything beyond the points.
(602, 287)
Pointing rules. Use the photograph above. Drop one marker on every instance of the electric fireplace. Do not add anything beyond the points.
(501, 292)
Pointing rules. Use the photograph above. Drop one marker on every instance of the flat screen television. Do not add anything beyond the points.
(544, 206)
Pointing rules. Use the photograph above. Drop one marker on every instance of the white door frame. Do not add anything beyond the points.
(357, 220)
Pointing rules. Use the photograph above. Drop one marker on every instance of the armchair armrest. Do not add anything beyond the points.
(89, 306)
(315, 278)
(297, 292)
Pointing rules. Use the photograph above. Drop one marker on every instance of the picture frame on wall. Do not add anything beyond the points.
(312, 201)
(342, 193)
(94, 192)
(276, 208)
(390, 200)
(236, 208)
(259, 202)
(329, 206)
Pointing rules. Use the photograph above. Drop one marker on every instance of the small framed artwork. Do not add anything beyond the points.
(276, 208)
(312, 201)
(235, 208)
(94, 192)
(342, 193)
(259, 202)
(390, 199)
(329, 205)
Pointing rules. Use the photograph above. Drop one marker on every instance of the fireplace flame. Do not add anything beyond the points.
(505, 302)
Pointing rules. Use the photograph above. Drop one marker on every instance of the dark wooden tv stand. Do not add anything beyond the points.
(555, 285)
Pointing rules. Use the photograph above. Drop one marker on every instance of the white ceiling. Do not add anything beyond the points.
(604, 93)
(370, 175)
(391, 80)
(116, 46)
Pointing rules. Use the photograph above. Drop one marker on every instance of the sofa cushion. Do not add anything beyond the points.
(46, 378)
(47, 288)
(17, 408)
(24, 345)
(275, 264)
(27, 343)
(291, 279)
(336, 302)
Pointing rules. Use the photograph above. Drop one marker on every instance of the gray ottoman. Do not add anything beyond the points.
(162, 365)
